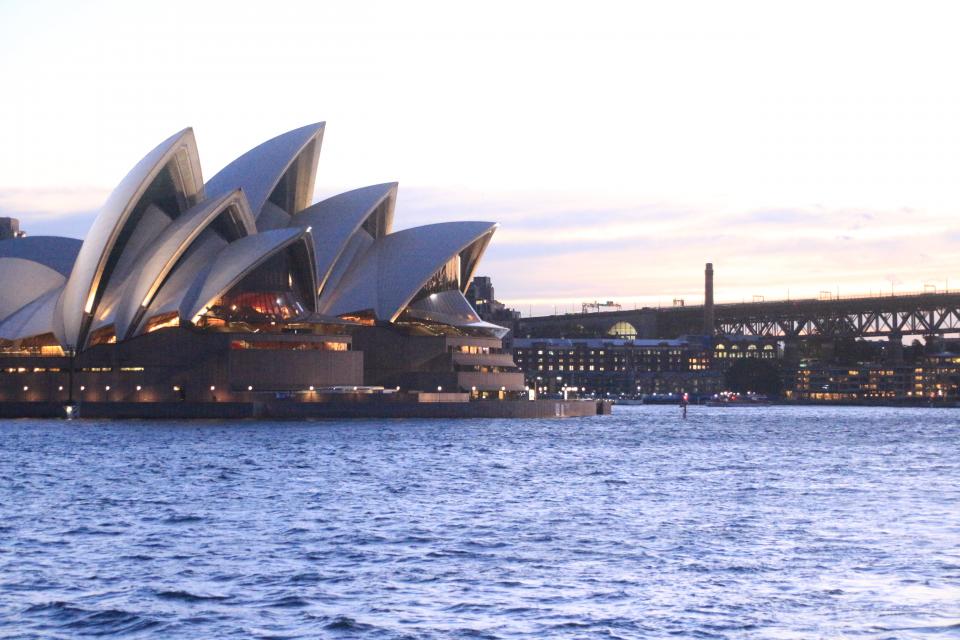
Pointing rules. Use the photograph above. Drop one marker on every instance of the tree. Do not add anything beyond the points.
(850, 351)
(754, 374)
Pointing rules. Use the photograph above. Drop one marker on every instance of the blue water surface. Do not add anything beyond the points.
(759, 522)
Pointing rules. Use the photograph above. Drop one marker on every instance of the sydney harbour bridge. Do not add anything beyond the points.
(876, 316)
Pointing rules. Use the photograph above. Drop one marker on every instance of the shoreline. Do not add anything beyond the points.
(555, 409)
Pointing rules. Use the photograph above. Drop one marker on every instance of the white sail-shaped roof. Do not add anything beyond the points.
(23, 282)
(51, 251)
(281, 171)
(36, 318)
(452, 308)
(337, 219)
(236, 261)
(189, 269)
(151, 224)
(100, 251)
(397, 266)
(154, 265)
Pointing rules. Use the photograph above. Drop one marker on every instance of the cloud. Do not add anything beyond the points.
(780, 216)
(46, 211)
(558, 247)
(50, 203)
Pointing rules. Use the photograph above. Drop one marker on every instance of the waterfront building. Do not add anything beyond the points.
(931, 378)
(10, 228)
(728, 350)
(481, 295)
(637, 367)
(938, 377)
(237, 286)
(618, 367)
(861, 382)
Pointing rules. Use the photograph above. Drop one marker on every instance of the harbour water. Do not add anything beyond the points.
(766, 522)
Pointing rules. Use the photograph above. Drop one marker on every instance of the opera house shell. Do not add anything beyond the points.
(239, 285)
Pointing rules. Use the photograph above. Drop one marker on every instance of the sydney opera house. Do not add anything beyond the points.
(238, 287)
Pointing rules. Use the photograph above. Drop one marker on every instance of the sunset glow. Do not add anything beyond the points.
(620, 149)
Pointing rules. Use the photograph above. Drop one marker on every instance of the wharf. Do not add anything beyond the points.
(304, 410)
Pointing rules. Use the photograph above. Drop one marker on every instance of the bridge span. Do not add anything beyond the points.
(919, 314)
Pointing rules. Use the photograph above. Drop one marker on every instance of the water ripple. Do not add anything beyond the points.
(750, 523)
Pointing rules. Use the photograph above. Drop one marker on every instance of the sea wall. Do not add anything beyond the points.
(301, 410)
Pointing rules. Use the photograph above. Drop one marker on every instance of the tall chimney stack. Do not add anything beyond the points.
(708, 319)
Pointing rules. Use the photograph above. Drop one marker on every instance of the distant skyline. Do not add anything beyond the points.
(621, 146)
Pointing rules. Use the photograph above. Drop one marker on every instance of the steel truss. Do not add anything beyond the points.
(926, 314)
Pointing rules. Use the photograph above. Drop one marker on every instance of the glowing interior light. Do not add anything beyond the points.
(83, 388)
(212, 388)
(249, 388)
(139, 387)
(107, 387)
(25, 388)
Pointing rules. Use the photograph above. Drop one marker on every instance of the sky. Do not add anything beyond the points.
(800, 147)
